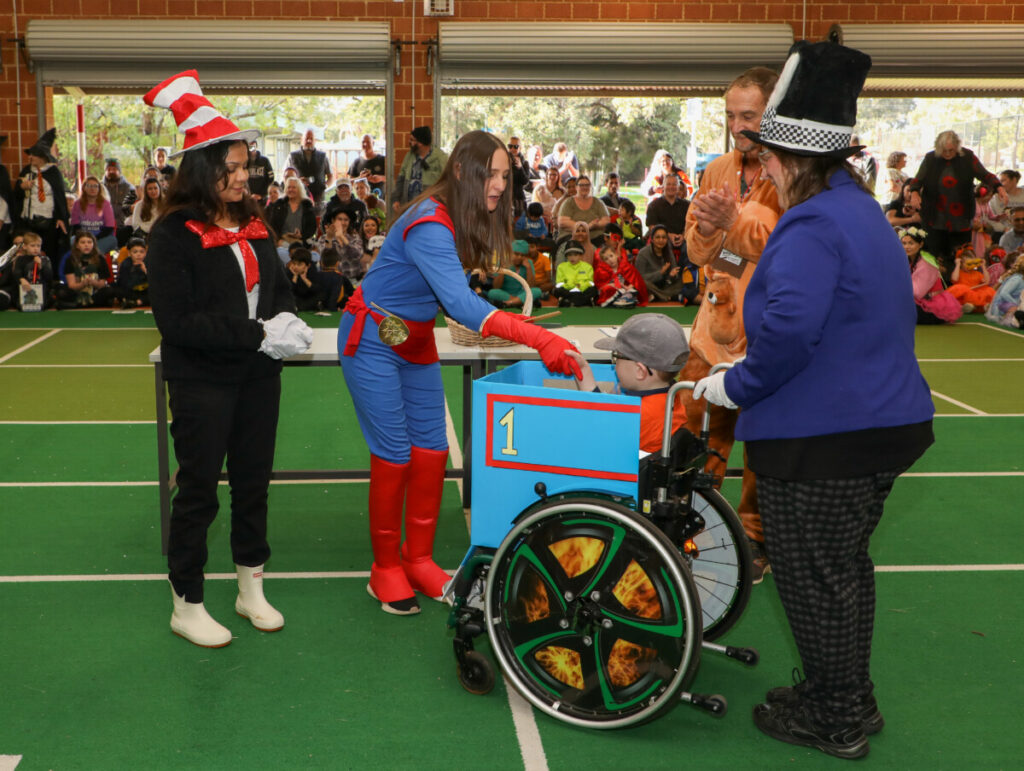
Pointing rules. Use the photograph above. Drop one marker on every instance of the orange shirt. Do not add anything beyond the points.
(542, 268)
(652, 420)
(759, 212)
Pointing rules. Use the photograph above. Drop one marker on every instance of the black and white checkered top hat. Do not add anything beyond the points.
(813, 108)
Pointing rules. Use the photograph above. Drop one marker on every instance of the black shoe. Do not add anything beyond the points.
(759, 564)
(405, 607)
(789, 695)
(790, 724)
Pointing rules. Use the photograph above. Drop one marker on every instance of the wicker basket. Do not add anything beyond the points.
(462, 335)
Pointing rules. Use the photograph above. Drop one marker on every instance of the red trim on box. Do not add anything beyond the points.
(575, 404)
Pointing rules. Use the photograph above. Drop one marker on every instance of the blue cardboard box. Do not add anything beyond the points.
(530, 426)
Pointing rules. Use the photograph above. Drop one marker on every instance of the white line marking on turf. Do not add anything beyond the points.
(960, 404)
(362, 574)
(25, 347)
(530, 745)
(963, 474)
(962, 361)
(986, 415)
(9, 762)
(77, 422)
(993, 329)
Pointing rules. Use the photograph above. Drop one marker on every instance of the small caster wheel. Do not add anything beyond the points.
(749, 656)
(717, 705)
(476, 673)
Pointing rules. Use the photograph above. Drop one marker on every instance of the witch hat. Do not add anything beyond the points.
(43, 148)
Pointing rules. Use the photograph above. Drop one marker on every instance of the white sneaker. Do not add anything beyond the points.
(191, 621)
(251, 603)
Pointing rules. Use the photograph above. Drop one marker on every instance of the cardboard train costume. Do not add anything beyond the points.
(398, 393)
(210, 288)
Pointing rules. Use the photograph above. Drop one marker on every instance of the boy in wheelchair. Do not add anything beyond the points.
(648, 352)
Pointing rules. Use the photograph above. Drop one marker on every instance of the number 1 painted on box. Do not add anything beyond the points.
(507, 421)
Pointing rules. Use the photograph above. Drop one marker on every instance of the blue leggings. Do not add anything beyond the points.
(399, 404)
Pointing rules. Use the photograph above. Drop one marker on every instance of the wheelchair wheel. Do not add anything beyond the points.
(592, 613)
(719, 563)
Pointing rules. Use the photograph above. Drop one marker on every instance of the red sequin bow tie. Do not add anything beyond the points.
(213, 235)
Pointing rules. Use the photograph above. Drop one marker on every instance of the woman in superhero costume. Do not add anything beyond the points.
(456, 225)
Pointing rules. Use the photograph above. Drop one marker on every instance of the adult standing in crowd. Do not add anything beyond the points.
(40, 200)
(313, 167)
(834, 407)
(548, 193)
(520, 176)
(421, 167)
(213, 277)
(669, 209)
(611, 198)
(583, 207)
(1014, 193)
(370, 164)
(563, 159)
(456, 225)
(727, 226)
(166, 170)
(946, 177)
(261, 173)
(118, 189)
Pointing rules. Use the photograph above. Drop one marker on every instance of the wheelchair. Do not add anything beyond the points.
(597, 582)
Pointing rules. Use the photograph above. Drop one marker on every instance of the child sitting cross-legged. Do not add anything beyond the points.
(618, 283)
(574, 279)
(648, 352)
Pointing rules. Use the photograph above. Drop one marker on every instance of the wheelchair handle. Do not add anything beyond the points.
(670, 402)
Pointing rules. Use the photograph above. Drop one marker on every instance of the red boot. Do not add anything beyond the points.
(387, 579)
(422, 506)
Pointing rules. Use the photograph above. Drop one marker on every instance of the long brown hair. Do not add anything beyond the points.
(809, 175)
(148, 203)
(195, 186)
(79, 260)
(479, 233)
(101, 195)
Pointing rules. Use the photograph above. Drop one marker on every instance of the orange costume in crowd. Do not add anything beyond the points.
(718, 336)
(972, 285)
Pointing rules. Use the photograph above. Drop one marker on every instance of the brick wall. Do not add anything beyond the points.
(820, 15)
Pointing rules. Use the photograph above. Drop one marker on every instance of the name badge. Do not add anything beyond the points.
(730, 263)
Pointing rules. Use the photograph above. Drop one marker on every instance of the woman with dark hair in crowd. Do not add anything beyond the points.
(214, 276)
(146, 211)
(87, 279)
(657, 265)
(387, 351)
(905, 209)
(833, 404)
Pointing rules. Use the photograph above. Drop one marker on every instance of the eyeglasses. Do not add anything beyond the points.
(513, 147)
(765, 155)
(617, 357)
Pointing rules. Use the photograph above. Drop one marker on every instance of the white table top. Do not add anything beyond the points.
(324, 349)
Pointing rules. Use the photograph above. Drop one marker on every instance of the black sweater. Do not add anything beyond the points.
(199, 304)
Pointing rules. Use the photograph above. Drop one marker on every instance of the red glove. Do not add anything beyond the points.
(550, 346)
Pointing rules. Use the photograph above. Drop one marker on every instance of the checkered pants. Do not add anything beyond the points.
(816, 535)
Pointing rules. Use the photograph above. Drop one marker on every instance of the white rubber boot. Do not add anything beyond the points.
(251, 604)
(191, 621)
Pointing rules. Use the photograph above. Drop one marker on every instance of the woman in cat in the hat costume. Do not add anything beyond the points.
(225, 312)
(834, 406)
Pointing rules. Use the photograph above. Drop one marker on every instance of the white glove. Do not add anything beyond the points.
(285, 335)
(712, 388)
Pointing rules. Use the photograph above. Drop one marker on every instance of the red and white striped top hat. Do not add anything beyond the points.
(202, 123)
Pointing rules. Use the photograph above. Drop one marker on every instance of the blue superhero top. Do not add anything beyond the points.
(418, 268)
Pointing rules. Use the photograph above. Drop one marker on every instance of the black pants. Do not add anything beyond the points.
(817, 533)
(211, 421)
(943, 244)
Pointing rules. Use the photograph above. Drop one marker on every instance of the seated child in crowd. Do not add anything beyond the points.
(132, 277)
(541, 269)
(632, 227)
(303, 280)
(506, 292)
(935, 304)
(335, 286)
(618, 283)
(28, 266)
(574, 279)
(970, 281)
(1007, 307)
(648, 352)
(370, 249)
(86, 276)
(531, 223)
(994, 259)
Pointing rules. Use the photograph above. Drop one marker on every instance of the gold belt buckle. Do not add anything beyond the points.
(391, 330)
